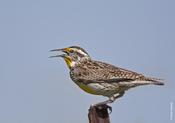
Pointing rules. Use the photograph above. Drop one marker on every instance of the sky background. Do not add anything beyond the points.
(138, 35)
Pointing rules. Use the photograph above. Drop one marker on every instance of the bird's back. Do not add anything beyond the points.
(100, 78)
(88, 70)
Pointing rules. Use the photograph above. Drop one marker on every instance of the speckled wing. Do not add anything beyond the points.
(100, 72)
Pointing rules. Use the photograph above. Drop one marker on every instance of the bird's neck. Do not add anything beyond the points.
(85, 59)
(72, 64)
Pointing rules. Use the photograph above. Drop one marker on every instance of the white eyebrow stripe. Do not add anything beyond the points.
(81, 52)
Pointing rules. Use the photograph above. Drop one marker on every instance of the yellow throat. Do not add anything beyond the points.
(70, 63)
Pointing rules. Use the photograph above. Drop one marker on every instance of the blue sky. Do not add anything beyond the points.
(136, 35)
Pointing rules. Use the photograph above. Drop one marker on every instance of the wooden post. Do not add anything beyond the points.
(99, 114)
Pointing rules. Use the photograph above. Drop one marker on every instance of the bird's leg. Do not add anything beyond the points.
(111, 99)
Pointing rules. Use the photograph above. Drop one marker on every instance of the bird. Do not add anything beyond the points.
(100, 78)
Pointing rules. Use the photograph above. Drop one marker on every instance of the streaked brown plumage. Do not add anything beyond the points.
(100, 78)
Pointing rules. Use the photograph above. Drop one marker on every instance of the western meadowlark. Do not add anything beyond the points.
(99, 78)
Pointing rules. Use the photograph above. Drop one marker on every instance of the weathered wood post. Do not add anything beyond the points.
(99, 114)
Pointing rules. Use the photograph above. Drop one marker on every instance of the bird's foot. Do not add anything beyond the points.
(102, 103)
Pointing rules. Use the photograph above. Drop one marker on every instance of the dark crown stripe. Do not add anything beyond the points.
(77, 47)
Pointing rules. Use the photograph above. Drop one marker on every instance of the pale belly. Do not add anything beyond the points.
(104, 89)
(109, 89)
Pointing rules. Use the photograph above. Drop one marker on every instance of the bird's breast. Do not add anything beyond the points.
(87, 88)
(96, 88)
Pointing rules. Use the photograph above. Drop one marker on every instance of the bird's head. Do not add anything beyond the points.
(72, 55)
(75, 52)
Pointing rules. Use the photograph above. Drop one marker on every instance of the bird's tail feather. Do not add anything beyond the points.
(155, 81)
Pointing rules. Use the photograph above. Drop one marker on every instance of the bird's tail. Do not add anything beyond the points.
(155, 81)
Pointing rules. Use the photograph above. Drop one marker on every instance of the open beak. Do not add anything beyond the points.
(63, 50)
(56, 50)
(62, 55)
